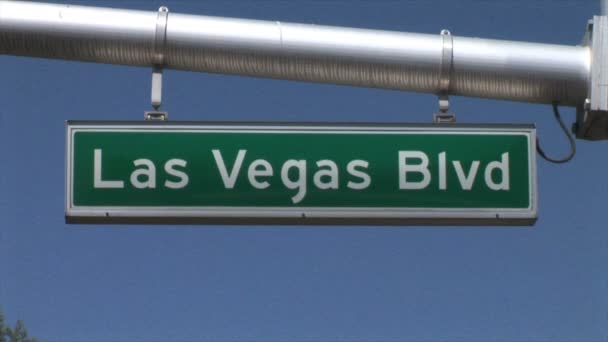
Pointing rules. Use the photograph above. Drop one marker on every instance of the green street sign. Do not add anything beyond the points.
(300, 173)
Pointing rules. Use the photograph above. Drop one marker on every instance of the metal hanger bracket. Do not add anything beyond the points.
(157, 71)
(445, 74)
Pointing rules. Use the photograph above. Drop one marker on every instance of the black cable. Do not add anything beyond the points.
(568, 135)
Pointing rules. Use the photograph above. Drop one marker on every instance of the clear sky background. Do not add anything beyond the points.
(231, 283)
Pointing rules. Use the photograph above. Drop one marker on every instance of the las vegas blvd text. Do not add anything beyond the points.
(412, 168)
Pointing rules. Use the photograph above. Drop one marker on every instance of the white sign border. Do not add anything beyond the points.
(303, 215)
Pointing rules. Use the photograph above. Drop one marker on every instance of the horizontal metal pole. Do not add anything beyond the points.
(509, 70)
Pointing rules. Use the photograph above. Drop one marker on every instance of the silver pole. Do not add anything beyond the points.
(604, 7)
(485, 68)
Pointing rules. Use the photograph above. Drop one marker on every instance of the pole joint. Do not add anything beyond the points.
(592, 114)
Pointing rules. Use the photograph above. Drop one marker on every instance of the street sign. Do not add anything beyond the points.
(300, 173)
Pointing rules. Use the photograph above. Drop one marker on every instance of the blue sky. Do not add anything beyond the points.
(229, 283)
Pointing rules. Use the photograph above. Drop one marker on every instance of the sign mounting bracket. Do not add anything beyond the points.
(157, 70)
(445, 74)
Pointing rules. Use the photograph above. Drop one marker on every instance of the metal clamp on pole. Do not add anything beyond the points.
(447, 57)
(592, 114)
(157, 70)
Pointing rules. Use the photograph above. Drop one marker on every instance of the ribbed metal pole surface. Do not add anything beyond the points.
(497, 69)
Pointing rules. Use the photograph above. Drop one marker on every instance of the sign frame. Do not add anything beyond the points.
(301, 215)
